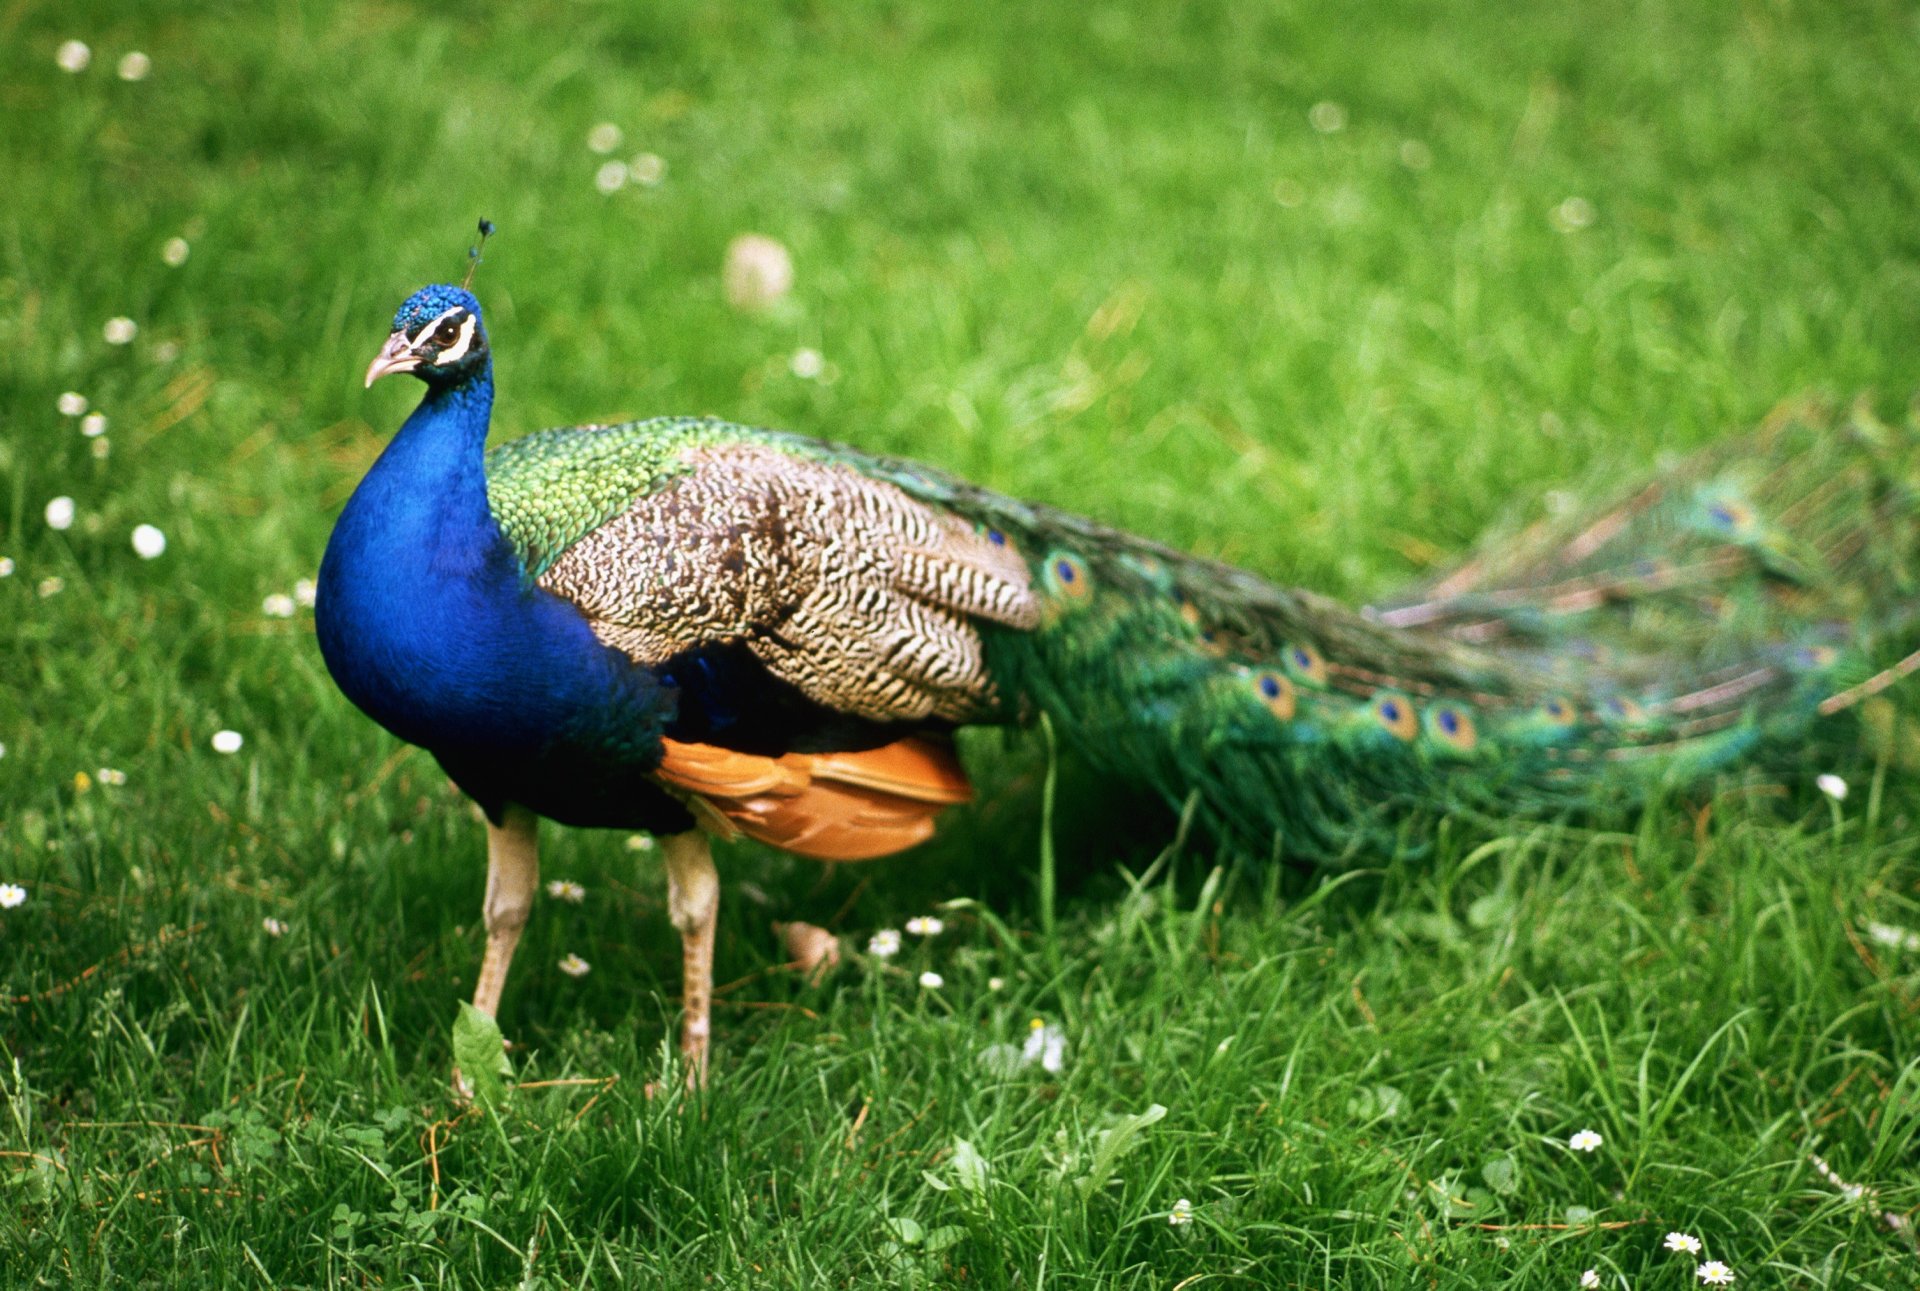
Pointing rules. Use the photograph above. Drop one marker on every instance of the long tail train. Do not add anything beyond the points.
(1714, 616)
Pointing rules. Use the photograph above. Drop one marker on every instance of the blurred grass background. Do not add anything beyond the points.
(1319, 289)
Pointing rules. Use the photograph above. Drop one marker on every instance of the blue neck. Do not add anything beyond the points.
(416, 573)
(423, 506)
(427, 618)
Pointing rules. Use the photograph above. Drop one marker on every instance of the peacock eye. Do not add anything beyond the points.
(447, 332)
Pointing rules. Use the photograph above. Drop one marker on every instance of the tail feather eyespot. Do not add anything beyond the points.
(1276, 692)
(998, 537)
(1396, 714)
(1559, 712)
(1066, 577)
(1304, 664)
(1621, 711)
(1453, 727)
(1816, 657)
(1724, 515)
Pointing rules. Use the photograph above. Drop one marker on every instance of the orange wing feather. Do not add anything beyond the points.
(832, 806)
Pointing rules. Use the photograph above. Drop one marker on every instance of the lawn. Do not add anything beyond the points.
(1320, 289)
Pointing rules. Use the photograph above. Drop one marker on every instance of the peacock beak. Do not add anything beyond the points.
(395, 356)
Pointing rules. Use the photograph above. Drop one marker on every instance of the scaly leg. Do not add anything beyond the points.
(513, 871)
(693, 903)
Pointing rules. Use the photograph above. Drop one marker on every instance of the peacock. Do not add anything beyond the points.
(706, 630)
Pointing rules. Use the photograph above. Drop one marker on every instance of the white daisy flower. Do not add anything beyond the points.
(227, 741)
(1045, 1045)
(119, 330)
(1182, 1213)
(71, 404)
(174, 252)
(1683, 1242)
(996, 983)
(1327, 117)
(574, 966)
(60, 513)
(603, 138)
(134, 66)
(148, 542)
(72, 56)
(1893, 936)
(932, 980)
(1590, 1279)
(93, 424)
(758, 272)
(925, 925)
(1832, 786)
(807, 363)
(277, 605)
(611, 177)
(108, 775)
(566, 890)
(6, 566)
(11, 895)
(1584, 1141)
(1714, 1274)
(1572, 215)
(305, 592)
(273, 927)
(884, 944)
(648, 169)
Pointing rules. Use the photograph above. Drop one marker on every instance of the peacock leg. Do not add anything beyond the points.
(693, 903)
(513, 871)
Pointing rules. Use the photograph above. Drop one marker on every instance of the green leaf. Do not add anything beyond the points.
(941, 1238)
(969, 1167)
(1491, 910)
(907, 1230)
(1502, 1174)
(480, 1051)
(1376, 1102)
(1113, 1143)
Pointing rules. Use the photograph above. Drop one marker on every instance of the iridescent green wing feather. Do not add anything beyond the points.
(550, 489)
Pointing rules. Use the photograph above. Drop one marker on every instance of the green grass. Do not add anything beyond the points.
(1100, 258)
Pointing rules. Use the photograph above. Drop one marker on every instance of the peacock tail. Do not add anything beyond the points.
(804, 595)
(1710, 619)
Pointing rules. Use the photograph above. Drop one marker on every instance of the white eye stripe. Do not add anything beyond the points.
(453, 353)
(429, 325)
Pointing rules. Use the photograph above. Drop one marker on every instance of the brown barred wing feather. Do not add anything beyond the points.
(842, 585)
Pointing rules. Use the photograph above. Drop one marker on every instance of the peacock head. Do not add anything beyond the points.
(437, 336)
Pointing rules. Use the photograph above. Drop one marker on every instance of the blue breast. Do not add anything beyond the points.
(428, 623)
